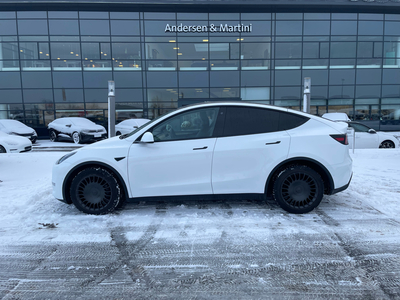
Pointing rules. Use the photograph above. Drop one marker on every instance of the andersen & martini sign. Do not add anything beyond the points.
(211, 28)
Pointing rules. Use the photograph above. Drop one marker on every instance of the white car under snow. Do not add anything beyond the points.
(79, 130)
(366, 137)
(15, 127)
(14, 144)
(129, 125)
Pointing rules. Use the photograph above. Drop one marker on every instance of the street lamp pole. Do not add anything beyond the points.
(307, 94)
(111, 108)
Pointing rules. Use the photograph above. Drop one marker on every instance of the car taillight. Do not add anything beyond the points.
(341, 138)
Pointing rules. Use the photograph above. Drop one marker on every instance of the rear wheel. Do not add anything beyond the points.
(387, 144)
(53, 136)
(118, 133)
(298, 189)
(95, 191)
(2, 149)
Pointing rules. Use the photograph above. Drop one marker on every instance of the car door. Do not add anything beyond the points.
(363, 138)
(250, 147)
(179, 161)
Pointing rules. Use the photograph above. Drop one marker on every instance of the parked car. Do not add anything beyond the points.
(127, 126)
(79, 130)
(366, 137)
(15, 127)
(14, 144)
(208, 150)
(336, 116)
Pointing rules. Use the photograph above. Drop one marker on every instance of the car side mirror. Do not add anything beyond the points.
(68, 125)
(371, 131)
(147, 138)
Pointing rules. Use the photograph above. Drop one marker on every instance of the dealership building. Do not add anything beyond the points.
(56, 57)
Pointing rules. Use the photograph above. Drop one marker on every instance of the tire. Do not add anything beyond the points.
(76, 137)
(118, 133)
(387, 144)
(95, 191)
(2, 149)
(298, 189)
(34, 140)
(53, 136)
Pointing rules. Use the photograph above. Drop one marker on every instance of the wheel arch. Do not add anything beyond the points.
(387, 140)
(90, 164)
(311, 163)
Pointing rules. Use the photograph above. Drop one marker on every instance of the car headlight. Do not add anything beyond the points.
(65, 157)
(34, 133)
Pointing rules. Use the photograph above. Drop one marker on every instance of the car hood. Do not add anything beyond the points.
(15, 139)
(20, 130)
(108, 143)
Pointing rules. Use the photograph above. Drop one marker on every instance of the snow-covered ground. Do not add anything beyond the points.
(26, 198)
(349, 247)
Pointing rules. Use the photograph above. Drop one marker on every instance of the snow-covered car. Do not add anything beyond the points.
(15, 127)
(79, 130)
(129, 125)
(366, 137)
(211, 150)
(14, 143)
(336, 116)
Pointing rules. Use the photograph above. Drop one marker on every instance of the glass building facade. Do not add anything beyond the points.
(56, 63)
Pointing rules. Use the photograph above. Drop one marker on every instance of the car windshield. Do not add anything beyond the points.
(124, 136)
(82, 122)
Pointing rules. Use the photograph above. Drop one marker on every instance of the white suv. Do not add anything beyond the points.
(211, 150)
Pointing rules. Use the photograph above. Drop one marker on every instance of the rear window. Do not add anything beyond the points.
(250, 120)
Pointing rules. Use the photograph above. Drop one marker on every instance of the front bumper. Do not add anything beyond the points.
(88, 137)
(57, 180)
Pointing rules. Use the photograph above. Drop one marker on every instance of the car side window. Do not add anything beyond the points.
(359, 127)
(194, 124)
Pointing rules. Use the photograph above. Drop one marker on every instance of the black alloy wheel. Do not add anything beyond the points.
(95, 191)
(2, 149)
(387, 144)
(53, 136)
(298, 189)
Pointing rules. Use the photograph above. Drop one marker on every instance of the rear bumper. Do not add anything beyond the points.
(342, 188)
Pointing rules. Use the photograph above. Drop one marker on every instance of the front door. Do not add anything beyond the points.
(179, 161)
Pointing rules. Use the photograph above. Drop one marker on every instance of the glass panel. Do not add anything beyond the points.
(68, 95)
(224, 78)
(337, 77)
(287, 93)
(97, 65)
(318, 77)
(7, 14)
(392, 28)
(343, 49)
(287, 64)
(66, 65)
(255, 64)
(255, 93)
(124, 15)
(158, 16)
(289, 27)
(32, 14)
(36, 80)
(126, 50)
(370, 28)
(289, 16)
(65, 50)
(95, 97)
(344, 16)
(32, 27)
(369, 63)
(127, 65)
(128, 79)
(224, 93)
(8, 27)
(35, 65)
(285, 78)
(161, 65)
(255, 51)
(344, 28)
(199, 65)
(291, 104)
(316, 27)
(255, 78)
(10, 80)
(344, 91)
(38, 96)
(224, 50)
(193, 79)
(256, 16)
(97, 80)
(258, 28)
(160, 79)
(368, 76)
(315, 63)
(161, 99)
(391, 76)
(9, 65)
(63, 14)
(157, 28)
(93, 15)
(391, 91)
(288, 50)
(191, 51)
(370, 16)
(64, 27)
(316, 16)
(9, 51)
(390, 117)
(194, 93)
(125, 28)
(67, 79)
(342, 63)
(95, 27)
(368, 91)
(91, 50)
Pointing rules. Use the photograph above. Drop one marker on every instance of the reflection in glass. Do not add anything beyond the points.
(255, 50)
(224, 65)
(97, 65)
(255, 64)
(162, 65)
(126, 50)
(192, 65)
(65, 51)
(66, 65)
(193, 50)
(9, 65)
(127, 65)
(224, 93)
(287, 64)
(9, 50)
(35, 65)
(288, 50)
(194, 93)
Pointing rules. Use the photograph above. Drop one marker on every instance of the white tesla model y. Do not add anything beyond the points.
(211, 150)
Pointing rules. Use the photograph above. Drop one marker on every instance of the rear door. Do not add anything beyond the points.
(249, 147)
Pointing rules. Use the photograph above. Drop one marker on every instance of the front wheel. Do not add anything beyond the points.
(53, 136)
(76, 137)
(2, 149)
(118, 133)
(298, 189)
(387, 144)
(95, 191)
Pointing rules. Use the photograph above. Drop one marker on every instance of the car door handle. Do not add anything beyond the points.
(277, 142)
(205, 147)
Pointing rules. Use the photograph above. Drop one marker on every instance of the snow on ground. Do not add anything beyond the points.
(27, 202)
